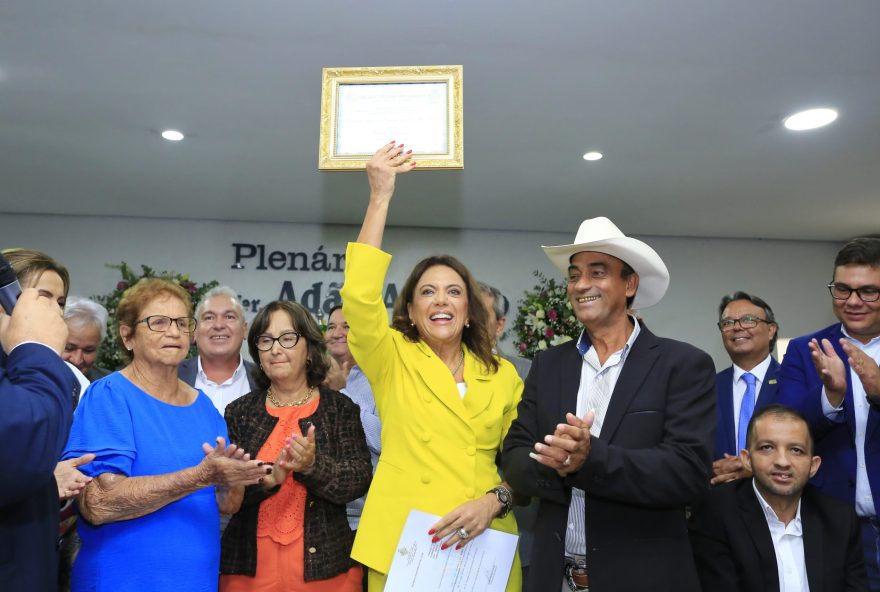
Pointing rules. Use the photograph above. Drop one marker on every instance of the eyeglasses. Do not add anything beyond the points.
(745, 321)
(843, 292)
(160, 323)
(285, 340)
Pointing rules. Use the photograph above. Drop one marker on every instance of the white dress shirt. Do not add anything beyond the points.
(223, 394)
(788, 543)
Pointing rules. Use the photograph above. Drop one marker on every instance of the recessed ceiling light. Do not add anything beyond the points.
(810, 119)
(172, 135)
(592, 156)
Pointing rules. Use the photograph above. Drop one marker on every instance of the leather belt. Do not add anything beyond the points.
(576, 574)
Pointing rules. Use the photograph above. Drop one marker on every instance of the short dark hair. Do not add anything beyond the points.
(332, 310)
(778, 410)
(768, 312)
(475, 336)
(303, 323)
(859, 251)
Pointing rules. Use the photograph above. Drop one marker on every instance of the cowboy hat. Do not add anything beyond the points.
(602, 236)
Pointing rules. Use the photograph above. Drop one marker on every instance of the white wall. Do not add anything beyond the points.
(789, 275)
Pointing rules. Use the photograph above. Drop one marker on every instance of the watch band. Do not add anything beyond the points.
(505, 497)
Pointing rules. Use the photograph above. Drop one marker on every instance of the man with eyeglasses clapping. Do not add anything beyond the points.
(832, 376)
(748, 332)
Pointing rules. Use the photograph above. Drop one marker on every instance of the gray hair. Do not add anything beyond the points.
(80, 312)
(220, 291)
(499, 302)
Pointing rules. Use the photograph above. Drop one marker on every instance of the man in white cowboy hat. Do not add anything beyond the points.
(614, 431)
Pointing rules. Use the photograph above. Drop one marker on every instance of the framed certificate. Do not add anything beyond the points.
(362, 109)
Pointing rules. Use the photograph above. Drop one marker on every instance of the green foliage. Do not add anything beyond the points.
(544, 318)
(109, 356)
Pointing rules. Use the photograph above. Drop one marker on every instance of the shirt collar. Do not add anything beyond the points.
(235, 375)
(856, 342)
(584, 344)
(758, 371)
(793, 528)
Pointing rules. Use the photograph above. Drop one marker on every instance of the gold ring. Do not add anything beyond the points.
(567, 461)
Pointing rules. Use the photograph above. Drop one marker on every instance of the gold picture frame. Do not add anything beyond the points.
(363, 109)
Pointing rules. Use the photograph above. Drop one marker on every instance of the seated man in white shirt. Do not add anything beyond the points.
(219, 370)
(773, 531)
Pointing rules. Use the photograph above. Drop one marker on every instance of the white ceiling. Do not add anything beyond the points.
(685, 98)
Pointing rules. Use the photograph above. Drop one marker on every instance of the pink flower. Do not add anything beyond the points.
(549, 332)
(121, 285)
(189, 286)
(552, 314)
(522, 346)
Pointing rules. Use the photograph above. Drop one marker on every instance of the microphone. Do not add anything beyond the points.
(10, 289)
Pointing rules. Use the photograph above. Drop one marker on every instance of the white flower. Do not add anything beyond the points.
(557, 339)
(539, 314)
(542, 345)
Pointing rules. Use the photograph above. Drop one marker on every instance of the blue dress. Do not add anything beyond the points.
(132, 433)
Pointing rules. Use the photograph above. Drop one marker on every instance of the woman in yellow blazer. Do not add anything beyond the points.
(445, 401)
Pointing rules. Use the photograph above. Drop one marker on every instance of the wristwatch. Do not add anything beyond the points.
(505, 497)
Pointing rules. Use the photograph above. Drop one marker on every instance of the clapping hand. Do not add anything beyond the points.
(230, 466)
(567, 449)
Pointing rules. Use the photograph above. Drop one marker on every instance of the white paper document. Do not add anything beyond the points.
(483, 565)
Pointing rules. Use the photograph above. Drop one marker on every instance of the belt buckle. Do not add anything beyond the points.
(576, 577)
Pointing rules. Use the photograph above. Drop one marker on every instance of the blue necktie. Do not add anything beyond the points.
(746, 409)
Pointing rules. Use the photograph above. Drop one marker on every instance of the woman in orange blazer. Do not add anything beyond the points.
(445, 400)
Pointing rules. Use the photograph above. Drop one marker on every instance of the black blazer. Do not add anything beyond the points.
(342, 473)
(734, 551)
(652, 459)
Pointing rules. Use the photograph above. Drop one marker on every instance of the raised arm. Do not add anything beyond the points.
(382, 171)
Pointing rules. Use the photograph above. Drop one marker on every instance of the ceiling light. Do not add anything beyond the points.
(172, 135)
(592, 156)
(810, 119)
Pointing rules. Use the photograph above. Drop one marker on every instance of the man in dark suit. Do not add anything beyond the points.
(219, 370)
(748, 331)
(832, 377)
(36, 399)
(614, 431)
(775, 533)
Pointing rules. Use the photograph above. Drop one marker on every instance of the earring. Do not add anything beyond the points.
(467, 324)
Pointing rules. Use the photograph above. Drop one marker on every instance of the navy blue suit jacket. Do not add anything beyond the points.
(801, 387)
(36, 406)
(725, 433)
(650, 461)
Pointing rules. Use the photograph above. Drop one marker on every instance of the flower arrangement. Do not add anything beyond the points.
(108, 354)
(544, 318)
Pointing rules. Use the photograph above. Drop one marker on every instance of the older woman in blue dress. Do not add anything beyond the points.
(152, 511)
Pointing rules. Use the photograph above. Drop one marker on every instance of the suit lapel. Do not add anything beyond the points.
(756, 525)
(569, 373)
(636, 367)
(479, 387)
(725, 409)
(439, 381)
(812, 529)
(769, 386)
